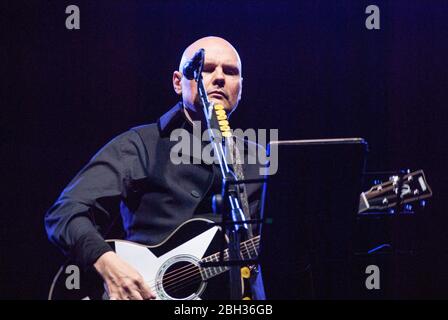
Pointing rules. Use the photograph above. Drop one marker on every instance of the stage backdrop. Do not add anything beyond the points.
(311, 69)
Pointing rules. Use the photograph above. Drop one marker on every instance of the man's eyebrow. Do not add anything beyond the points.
(226, 66)
(232, 67)
(210, 63)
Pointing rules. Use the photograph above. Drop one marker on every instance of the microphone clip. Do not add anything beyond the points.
(193, 67)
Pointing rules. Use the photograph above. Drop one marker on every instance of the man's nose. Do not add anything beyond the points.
(218, 78)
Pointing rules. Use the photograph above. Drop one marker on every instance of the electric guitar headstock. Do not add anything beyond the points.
(397, 191)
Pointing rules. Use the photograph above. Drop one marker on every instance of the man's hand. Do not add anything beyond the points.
(123, 282)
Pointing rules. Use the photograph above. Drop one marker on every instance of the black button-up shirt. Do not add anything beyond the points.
(133, 172)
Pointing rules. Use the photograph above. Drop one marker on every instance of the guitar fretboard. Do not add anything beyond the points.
(249, 250)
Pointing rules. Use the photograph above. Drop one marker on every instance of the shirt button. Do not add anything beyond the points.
(195, 194)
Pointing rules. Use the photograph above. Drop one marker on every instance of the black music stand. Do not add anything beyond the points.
(310, 206)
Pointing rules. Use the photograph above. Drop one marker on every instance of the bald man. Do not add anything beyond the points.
(221, 76)
(133, 174)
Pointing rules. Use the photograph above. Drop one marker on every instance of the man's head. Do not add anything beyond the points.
(221, 75)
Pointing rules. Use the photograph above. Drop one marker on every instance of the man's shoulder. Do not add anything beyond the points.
(137, 135)
(172, 119)
(135, 132)
(145, 133)
(148, 128)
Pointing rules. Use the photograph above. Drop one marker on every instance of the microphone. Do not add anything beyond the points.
(193, 65)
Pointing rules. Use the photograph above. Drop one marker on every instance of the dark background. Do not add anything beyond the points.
(311, 69)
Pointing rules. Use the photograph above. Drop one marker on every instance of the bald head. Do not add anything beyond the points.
(221, 75)
(216, 44)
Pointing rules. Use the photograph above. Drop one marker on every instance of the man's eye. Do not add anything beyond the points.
(207, 69)
(231, 71)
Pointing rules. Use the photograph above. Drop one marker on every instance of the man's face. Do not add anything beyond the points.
(221, 75)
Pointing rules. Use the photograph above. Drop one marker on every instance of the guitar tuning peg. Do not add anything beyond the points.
(410, 178)
(385, 201)
(394, 179)
(416, 192)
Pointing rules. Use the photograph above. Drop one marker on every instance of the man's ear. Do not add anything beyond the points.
(177, 85)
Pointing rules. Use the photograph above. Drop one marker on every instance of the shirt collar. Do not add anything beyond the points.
(173, 119)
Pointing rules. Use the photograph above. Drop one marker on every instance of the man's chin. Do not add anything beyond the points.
(224, 104)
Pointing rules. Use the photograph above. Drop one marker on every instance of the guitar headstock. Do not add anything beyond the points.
(398, 190)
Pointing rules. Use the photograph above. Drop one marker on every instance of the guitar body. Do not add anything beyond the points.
(171, 268)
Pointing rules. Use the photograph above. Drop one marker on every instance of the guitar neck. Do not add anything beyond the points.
(249, 250)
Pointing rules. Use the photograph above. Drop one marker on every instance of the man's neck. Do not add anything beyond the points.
(193, 117)
(187, 116)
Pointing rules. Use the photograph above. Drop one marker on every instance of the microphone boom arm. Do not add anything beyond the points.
(230, 188)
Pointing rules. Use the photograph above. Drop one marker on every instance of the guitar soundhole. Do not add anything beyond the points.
(181, 280)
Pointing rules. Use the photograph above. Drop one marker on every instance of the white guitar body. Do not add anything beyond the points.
(153, 268)
(172, 269)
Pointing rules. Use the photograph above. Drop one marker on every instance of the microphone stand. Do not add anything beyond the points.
(233, 224)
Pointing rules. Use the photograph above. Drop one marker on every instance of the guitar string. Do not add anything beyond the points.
(185, 281)
(375, 193)
(192, 271)
(191, 279)
(176, 272)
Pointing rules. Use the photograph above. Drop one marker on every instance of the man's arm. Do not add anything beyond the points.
(71, 223)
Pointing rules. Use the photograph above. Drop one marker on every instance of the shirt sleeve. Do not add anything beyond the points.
(88, 204)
